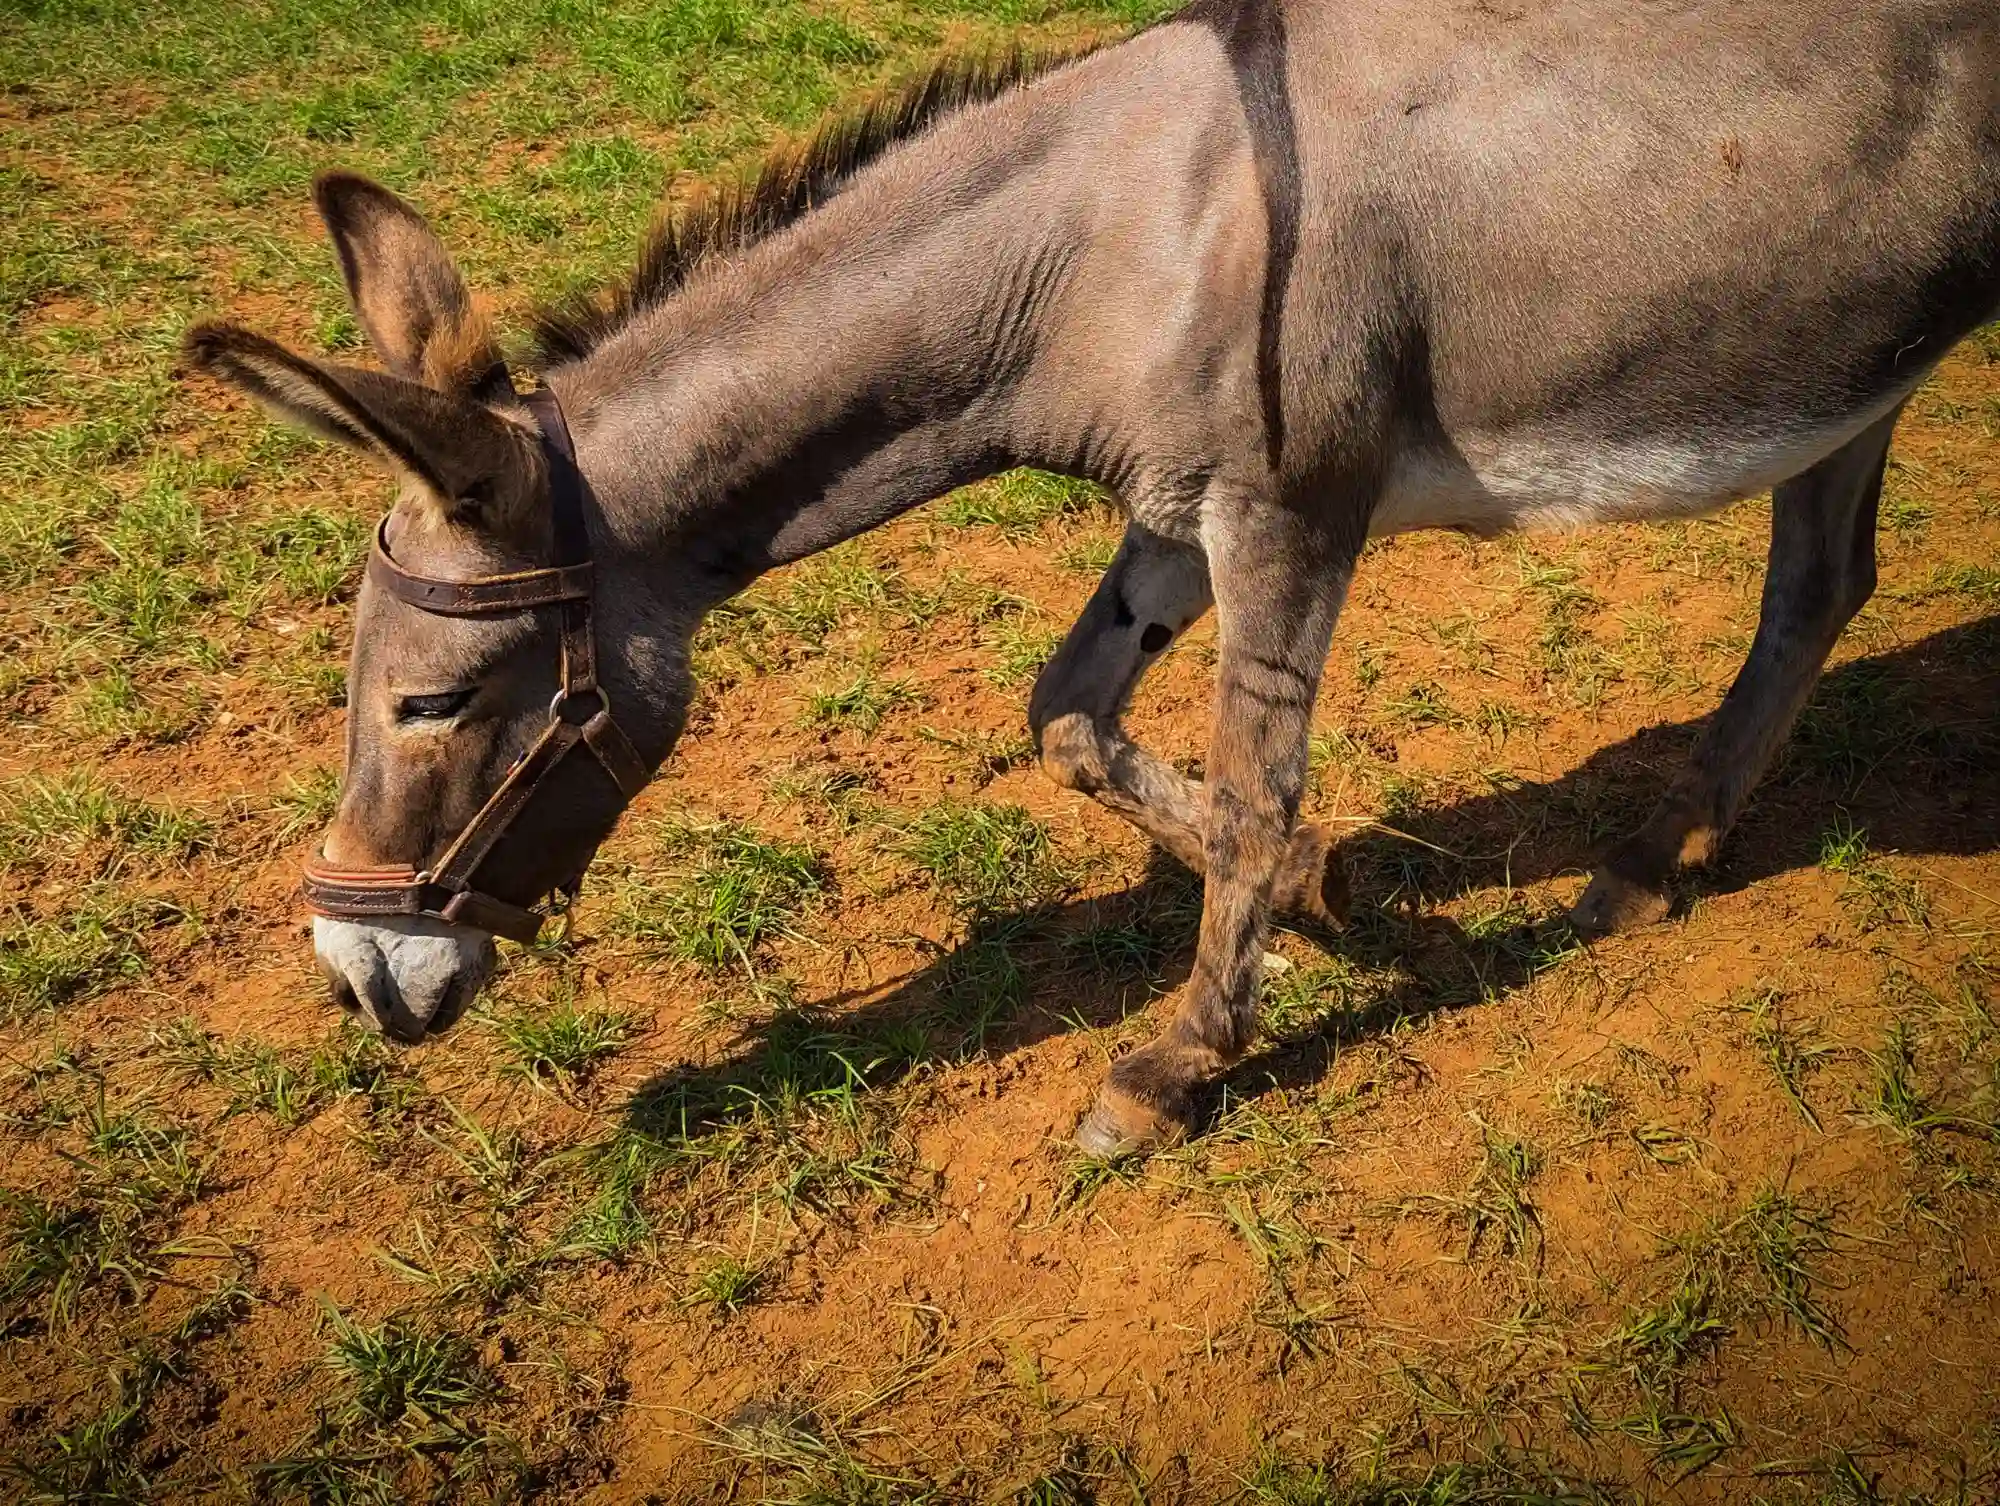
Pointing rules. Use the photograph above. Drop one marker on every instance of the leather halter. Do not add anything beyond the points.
(579, 716)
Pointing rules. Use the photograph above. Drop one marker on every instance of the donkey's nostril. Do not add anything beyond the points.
(343, 994)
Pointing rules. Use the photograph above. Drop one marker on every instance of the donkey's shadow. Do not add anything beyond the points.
(1904, 745)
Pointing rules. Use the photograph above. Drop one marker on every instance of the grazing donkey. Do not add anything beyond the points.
(1283, 275)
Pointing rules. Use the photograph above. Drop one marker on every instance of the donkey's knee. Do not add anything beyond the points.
(1073, 751)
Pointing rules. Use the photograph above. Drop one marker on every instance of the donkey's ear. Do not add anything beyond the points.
(472, 462)
(406, 290)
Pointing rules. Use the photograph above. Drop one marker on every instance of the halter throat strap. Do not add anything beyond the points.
(579, 716)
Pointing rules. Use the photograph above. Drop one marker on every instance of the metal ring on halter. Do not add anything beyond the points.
(563, 697)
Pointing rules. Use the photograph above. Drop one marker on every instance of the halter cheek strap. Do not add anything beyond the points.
(579, 716)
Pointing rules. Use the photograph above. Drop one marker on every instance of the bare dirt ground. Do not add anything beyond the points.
(758, 1186)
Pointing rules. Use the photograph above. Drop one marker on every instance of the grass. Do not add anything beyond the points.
(1020, 503)
(289, 1085)
(107, 1235)
(1763, 1263)
(48, 820)
(723, 895)
(1495, 1205)
(562, 1043)
(1879, 894)
(862, 703)
(1791, 1055)
(49, 962)
(724, 1285)
(982, 859)
(1020, 647)
(396, 1374)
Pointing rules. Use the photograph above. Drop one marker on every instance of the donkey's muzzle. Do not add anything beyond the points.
(407, 976)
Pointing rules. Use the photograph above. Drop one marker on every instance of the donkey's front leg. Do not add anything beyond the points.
(1279, 583)
(1154, 590)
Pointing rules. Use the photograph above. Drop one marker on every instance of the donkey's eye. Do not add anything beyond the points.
(432, 708)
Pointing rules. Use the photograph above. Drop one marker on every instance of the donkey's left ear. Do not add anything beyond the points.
(407, 291)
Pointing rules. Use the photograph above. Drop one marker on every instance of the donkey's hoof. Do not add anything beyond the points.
(1119, 1126)
(1614, 903)
(1311, 884)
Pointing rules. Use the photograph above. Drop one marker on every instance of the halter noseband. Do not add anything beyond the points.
(579, 715)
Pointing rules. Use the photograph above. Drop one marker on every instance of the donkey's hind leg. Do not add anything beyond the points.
(1821, 572)
(1153, 592)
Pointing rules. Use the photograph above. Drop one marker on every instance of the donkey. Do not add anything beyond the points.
(1283, 276)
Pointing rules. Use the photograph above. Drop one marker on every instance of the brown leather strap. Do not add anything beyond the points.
(615, 751)
(489, 596)
(382, 893)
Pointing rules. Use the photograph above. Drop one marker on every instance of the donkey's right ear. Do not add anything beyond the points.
(460, 451)
(407, 291)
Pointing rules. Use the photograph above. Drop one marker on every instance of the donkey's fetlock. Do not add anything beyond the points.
(1311, 882)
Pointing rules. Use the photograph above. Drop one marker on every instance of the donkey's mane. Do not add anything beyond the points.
(718, 219)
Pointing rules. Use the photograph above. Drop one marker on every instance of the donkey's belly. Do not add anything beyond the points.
(1550, 481)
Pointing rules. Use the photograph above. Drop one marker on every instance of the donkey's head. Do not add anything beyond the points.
(442, 704)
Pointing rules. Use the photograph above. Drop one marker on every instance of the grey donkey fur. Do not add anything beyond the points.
(1281, 275)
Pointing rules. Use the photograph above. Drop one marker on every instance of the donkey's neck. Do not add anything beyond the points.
(897, 342)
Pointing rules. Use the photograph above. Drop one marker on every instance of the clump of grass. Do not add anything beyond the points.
(1298, 1001)
(309, 556)
(806, 602)
(1589, 1102)
(986, 858)
(1980, 583)
(396, 1373)
(43, 820)
(1019, 503)
(724, 1285)
(1565, 651)
(726, 894)
(979, 984)
(862, 703)
(1858, 720)
(563, 1042)
(49, 962)
(1495, 1203)
(1090, 555)
(1020, 647)
(290, 1086)
(305, 804)
(1791, 1055)
(1762, 1264)
(1681, 1441)
(135, 1173)
(1877, 891)
(1423, 704)
(1897, 1101)
(1656, 1343)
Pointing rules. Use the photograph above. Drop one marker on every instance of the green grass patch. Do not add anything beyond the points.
(45, 963)
(44, 820)
(561, 1042)
(1020, 503)
(982, 859)
(862, 704)
(721, 895)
